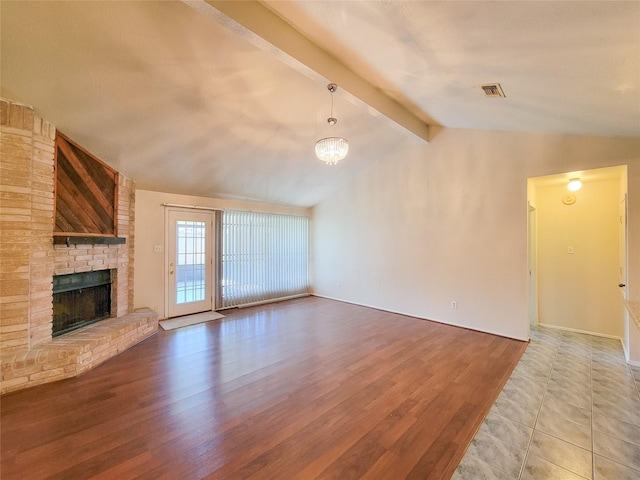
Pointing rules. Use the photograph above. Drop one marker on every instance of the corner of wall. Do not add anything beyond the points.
(26, 220)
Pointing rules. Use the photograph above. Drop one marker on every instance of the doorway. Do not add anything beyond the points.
(577, 241)
(533, 266)
(189, 262)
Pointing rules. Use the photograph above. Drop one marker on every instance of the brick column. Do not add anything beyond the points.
(124, 280)
(26, 226)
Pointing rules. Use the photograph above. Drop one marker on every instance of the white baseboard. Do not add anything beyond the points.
(421, 318)
(626, 353)
(264, 302)
(575, 330)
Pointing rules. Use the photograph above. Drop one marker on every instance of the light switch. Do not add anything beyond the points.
(570, 249)
(157, 249)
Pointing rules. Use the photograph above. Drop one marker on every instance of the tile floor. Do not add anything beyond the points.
(570, 410)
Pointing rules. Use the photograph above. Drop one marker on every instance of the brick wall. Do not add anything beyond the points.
(26, 225)
(28, 258)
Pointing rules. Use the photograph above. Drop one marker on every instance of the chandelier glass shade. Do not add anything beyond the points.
(332, 149)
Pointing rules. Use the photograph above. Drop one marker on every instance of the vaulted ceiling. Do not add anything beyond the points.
(226, 99)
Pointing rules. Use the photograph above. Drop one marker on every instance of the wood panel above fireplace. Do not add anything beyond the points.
(85, 192)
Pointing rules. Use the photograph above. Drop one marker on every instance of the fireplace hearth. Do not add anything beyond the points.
(80, 299)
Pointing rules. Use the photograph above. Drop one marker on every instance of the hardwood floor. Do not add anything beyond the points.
(304, 389)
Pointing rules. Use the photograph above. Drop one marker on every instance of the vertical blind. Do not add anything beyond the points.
(264, 257)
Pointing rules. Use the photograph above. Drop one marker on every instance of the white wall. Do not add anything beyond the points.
(580, 290)
(447, 221)
(149, 271)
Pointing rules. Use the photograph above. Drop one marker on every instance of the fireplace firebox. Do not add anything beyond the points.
(80, 299)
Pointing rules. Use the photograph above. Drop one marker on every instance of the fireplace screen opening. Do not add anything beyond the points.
(80, 299)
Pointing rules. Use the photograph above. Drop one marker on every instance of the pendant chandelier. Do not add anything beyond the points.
(332, 149)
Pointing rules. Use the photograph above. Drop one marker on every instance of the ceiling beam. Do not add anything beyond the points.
(257, 18)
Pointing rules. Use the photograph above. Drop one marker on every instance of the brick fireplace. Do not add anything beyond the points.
(29, 260)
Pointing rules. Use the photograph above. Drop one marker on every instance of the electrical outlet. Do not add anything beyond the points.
(454, 304)
(157, 249)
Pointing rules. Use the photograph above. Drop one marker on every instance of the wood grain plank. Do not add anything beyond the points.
(85, 191)
(75, 201)
(88, 179)
(61, 223)
(74, 216)
(309, 388)
(73, 181)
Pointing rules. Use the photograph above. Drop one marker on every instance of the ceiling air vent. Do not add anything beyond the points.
(493, 90)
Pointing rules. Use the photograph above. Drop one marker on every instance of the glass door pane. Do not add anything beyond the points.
(190, 261)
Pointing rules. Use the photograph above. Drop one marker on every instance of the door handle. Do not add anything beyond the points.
(171, 272)
(621, 285)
